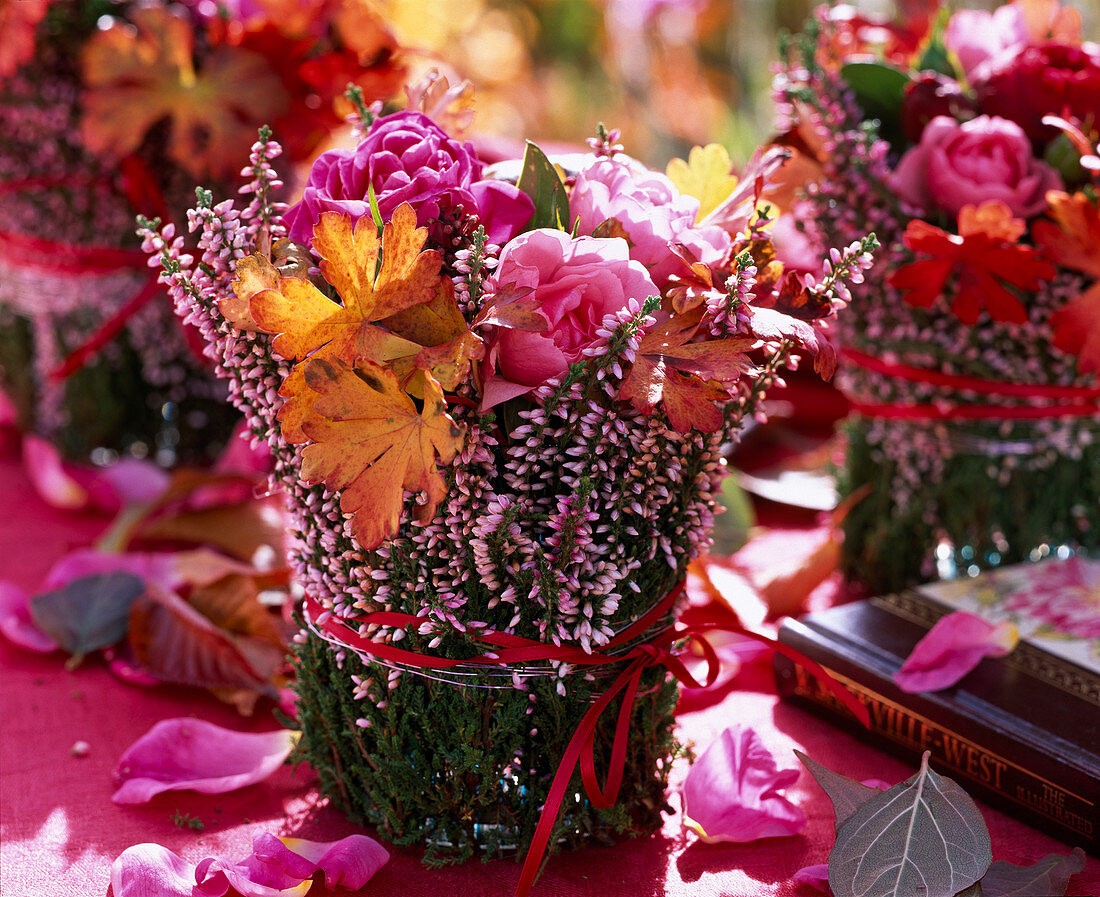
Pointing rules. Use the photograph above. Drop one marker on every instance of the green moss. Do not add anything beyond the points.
(990, 516)
(435, 764)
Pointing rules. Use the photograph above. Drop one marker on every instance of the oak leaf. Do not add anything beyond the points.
(1074, 242)
(141, 73)
(370, 441)
(685, 377)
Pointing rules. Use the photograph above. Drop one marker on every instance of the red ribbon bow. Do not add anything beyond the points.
(507, 649)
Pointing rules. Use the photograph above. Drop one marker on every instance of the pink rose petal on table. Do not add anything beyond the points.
(159, 568)
(134, 481)
(149, 870)
(951, 649)
(285, 866)
(48, 475)
(193, 755)
(816, 876)
(16, 622)
(732, 791)
(348, 863)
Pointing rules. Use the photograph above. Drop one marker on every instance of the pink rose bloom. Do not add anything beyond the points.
(976, 35)
(970, 163)
(575, 283)
(652, 212)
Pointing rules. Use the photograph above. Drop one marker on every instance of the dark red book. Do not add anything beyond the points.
(1021, 732)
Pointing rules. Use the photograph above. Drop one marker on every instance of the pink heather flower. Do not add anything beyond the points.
(957, 164)
(651, 211)
(976, 35)
(575, 283)
(407, 157)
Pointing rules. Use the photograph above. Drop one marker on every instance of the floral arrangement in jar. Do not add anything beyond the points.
(497, 408)
(967, 142)
(110, 109)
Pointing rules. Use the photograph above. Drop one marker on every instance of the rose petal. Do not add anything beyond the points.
(191, 754)
(215, 876)
(134, 481)
(816, 876)
(732, 791)
(149, 870)
(16, 622)
(350, 862)
(159, 568)
(951, 649)
(48, 475)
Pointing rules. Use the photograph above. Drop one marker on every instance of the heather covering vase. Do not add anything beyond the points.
(487, 617)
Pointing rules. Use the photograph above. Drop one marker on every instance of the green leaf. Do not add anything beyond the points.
(540, 180)
(924, 836)
(89, 613)
(847, 794)
(934, 55)
(731, 529)
(1047, 878)
(879, 89)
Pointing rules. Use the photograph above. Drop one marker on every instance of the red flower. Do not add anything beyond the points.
(1042, 80)
(983, 259)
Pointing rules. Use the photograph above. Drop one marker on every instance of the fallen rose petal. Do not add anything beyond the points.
(348, 863)
(215, 876)
(47, 474)
(128, 671)
(193, 755)
(951, 649)
(149, 870)
(732, 791)
(17, 624)
(134, 481)
(816, 876)
(158, 568)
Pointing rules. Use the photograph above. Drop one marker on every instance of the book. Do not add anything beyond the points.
(1021, 732)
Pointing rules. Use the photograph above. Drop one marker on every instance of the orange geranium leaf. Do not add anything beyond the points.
(370, 441)
(18, 21)
(1074, 242)
(685, 377)
(254, 274)
(706, 175)
(138, 75)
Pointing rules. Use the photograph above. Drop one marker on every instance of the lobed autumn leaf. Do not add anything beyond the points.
(685, 377)
(397, 311)
(706, 175)
(369, 440)
(1074, 242)
(137, 75)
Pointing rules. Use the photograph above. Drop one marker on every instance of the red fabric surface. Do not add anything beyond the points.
(60, 831)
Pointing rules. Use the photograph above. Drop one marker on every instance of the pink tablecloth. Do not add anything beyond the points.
(60, 830)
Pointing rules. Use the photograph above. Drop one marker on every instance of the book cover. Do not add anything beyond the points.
(1021, 732)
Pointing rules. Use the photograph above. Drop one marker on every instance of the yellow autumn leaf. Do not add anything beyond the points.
(705, 175)
(139, 74)
(370, 442)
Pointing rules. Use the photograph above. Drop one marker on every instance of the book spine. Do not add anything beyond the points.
(1054, 808)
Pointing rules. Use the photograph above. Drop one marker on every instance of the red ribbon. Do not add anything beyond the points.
(55, 257)
(1080, 401)
(507, 649)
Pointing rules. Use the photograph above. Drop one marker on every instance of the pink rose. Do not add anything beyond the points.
(575, 283)
(970, 163)
(976, 35)
(651, 211)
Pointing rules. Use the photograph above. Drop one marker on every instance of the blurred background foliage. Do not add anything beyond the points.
(669, 73)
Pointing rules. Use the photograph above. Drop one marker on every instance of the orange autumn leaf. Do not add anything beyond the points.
(685, 377)
(18, 22)
(370, 441)
(141, 73)
(1074, 242)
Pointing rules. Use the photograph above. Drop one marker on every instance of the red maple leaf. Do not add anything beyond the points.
(982, 265)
